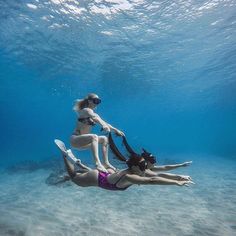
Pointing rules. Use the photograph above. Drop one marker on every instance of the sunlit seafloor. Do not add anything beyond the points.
(29, 206)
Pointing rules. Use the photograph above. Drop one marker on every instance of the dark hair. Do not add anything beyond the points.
(83, 104)
(134, 158)
(148, 156)
(133, 161)
(145, 154)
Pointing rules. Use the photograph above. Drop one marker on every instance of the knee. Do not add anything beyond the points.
(94, 137)
(103, 140)
(72, 141)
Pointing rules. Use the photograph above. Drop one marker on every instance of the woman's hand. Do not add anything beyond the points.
(106, 128)
(185, 183)
(187, 163)
(184, 178)
(119, 133)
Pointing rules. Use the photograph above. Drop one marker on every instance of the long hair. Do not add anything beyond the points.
(133, 156)
(127, 146)
(80, 104)
(115, 150)
(133, 159)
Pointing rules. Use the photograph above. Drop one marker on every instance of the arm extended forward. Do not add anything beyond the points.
(170, 167)
(135, 179)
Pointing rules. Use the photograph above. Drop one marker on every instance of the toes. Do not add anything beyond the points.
(101, 168)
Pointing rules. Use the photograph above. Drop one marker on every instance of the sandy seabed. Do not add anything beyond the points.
(31, 207)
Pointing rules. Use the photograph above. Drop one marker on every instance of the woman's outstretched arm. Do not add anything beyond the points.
(135, 179)
(106, 126)
(149, 173)
(117, 131)
(170, 167)
(174, 176)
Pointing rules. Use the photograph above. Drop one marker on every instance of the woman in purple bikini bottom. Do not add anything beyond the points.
(119, 180)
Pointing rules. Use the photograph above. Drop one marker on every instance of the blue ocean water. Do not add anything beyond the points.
(166, 74)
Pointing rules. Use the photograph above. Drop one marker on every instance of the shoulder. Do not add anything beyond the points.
(87, 111)
(136, 179)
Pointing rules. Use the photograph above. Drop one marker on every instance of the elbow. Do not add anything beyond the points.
(95, 119)
(152, 180)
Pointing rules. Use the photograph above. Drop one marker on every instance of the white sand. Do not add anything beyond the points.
(30, 207)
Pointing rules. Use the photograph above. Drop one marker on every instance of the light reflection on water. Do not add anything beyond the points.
(148, 38)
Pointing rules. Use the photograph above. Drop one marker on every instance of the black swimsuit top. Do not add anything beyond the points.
(87, 121)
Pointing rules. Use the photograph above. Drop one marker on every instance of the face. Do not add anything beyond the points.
(150, 159)
(149, 165)
(94, 101)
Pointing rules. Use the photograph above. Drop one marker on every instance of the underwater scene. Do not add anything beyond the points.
(161, 73)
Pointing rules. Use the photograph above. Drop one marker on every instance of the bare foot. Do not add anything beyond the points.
(100, 167)
(109, 166)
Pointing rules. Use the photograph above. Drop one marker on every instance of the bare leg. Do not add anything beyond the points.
(104, 141)
(90, 178)
(90, 141)
(77, 161)
(72, 161)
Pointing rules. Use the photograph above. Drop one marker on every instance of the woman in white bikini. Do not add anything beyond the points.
(82, 137)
